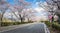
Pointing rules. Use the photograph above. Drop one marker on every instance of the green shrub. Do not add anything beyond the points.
(6, 23)
(12, 23)
(24, 22)
(16, 23)
(56, 26)
(9, 23)
(30, 21)
(47, 23)
(41, 21)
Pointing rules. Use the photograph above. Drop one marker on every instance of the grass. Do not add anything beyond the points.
(56, 26)
(53, 27)
(12, 23)
(52, 30)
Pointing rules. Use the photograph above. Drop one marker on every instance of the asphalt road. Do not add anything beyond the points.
(33, 28)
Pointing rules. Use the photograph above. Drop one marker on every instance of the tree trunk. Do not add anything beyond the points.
(52, 18)
(21, 18)
(28, 19)
(2, 17)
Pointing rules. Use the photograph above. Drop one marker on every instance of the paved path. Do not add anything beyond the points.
(2, 29)
(28, 28)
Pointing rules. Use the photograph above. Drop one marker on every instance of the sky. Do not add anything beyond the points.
(33, 2)
(34, 5)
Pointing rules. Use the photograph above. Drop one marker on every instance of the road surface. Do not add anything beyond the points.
(32, 28)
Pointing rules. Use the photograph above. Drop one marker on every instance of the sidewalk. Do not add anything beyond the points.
(7, 28)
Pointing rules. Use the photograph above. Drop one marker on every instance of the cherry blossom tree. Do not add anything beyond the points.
(20, 5)
(29, 13)
(57, 4)
(3, 7)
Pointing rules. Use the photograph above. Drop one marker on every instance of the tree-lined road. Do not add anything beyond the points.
(32, 28)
